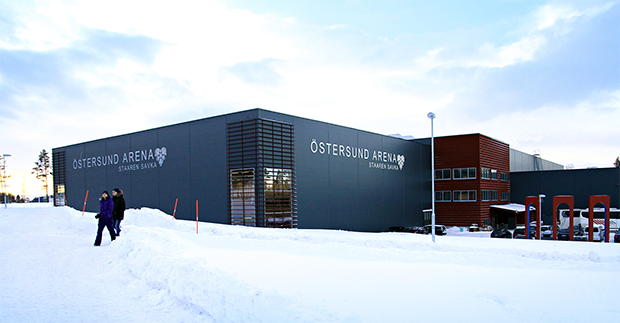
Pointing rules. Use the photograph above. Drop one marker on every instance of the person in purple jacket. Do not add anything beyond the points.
(105, 217)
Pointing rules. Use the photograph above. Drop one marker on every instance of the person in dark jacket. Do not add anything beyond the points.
(118, 212)
(106, 205)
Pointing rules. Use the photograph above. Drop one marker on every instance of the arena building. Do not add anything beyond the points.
(255, 168)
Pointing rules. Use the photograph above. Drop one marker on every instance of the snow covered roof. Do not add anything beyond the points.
(513, 207)
(406, 137)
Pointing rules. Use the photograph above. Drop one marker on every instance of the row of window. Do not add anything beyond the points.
(470, 173)
(469, 196)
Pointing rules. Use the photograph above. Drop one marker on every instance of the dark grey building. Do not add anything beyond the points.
(580, 183)
(256, 168)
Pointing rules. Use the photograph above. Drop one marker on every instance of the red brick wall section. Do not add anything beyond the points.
(466, 151)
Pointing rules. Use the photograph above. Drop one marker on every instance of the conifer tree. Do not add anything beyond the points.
(43, 169)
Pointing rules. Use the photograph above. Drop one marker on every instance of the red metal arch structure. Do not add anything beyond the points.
(570, 201)
(595, 199)
(529, 200)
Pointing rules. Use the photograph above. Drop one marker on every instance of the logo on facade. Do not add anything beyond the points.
(401, 161)
(377, 159)
(126, 161)
(160, 155)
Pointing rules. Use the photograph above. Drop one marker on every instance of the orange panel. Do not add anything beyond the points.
(594, 199)
(529, 200)
(557, 200)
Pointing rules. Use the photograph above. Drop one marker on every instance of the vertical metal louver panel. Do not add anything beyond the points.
(264, 149)
(242, 157)
(59, 175)
(278, 195)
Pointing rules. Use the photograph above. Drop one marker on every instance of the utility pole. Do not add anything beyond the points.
(4, 156)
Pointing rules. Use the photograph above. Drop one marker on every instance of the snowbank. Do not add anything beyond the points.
(160, 270)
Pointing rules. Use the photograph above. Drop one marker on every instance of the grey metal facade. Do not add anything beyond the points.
(523, 162)
(342, 178)
(580, 183)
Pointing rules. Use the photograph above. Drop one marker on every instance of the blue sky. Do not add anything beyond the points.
(539, 75)
(391, 19)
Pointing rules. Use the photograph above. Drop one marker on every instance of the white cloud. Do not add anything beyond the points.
(523, 50)
(552, 16)
(583, 135)
(38, 28)
(531, 39)
(549, 15)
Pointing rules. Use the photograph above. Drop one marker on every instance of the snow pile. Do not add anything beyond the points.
(160, 270)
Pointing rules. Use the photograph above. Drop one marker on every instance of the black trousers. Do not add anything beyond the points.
(105, 222)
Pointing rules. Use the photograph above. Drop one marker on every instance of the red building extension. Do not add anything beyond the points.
(472, 172)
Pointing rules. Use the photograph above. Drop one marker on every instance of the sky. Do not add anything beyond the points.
(542, 76)
(164, 270)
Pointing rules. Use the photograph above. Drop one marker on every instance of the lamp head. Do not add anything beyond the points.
(431, 115)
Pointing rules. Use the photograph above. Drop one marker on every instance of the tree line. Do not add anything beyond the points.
(42, 170)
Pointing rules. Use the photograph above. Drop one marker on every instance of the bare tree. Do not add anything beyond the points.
(43, 169)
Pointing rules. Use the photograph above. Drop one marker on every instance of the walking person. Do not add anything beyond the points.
(118, 212)
(105, 217)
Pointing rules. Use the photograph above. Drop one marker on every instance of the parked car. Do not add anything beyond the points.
(580, 237)
(598, 233)
(519, 233)
(501, 233)
(40, 199)
(564, 234)
(402, 229)
(617, 236)
(474, 228)
(546, 231)
(439, 229)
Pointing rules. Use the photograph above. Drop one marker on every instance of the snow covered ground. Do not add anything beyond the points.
(160, 270)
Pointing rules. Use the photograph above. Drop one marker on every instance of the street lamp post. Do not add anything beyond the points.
(4, 156)
(431, 116)
(539, 221)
